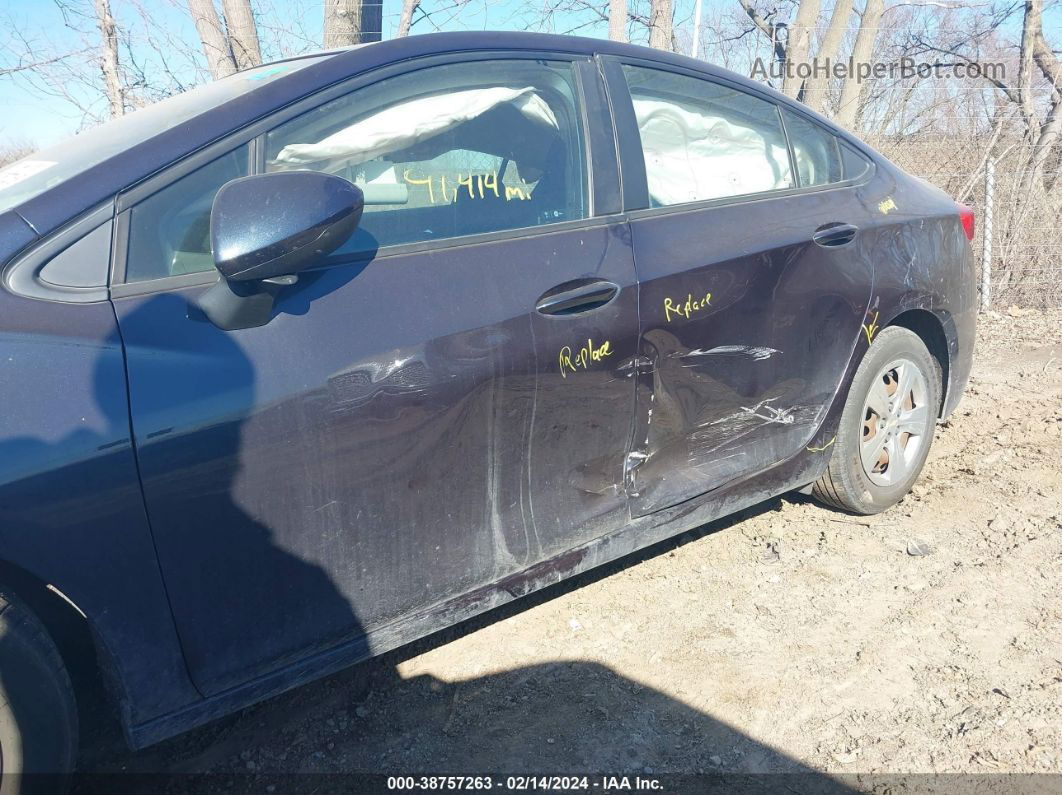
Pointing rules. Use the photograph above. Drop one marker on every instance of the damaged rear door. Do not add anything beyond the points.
(753, 282)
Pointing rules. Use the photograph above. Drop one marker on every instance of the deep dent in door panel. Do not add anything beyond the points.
(733, 387)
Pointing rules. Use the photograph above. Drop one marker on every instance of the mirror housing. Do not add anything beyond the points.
(277, 224)
(266, 228)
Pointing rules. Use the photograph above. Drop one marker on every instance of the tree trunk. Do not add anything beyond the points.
(798, 48)
(1043, 137)
(243, 33)
(1030, 26)
(350, 22)
(660, 25)
(617, 20)
(862, 51)
(112, 80)
(815, 89)
(409, 7)
(212, 37)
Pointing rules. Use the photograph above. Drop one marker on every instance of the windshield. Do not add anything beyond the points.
(36, 173)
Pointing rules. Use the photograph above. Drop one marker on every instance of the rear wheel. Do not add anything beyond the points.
(38, 714)
(886, 427)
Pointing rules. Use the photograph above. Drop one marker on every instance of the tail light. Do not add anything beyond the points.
(966, 215)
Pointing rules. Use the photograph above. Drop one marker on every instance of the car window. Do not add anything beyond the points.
(169, 232)
(447, 151)
(815, 151)
(853, 164)
(703, 140)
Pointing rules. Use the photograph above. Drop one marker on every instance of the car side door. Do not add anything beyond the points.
(754, 280)
(418, 419)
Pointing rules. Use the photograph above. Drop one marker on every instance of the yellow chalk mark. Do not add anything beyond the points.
(587, 355)
(872, 329)
(685, 308)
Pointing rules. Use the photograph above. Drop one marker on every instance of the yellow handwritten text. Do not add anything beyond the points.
(587, 355)
(478, 186)
(871, 328)
(687, 307)
(885, 206)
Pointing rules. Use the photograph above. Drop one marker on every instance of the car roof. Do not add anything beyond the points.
(98, 183)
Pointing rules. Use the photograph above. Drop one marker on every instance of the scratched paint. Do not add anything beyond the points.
(757, 352)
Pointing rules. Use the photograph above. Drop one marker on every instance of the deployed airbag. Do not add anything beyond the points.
(692, 155)
(407, 123)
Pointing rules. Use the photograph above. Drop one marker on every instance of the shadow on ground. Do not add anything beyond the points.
(562, 717)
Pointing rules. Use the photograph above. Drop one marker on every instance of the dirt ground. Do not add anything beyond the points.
(926, 639)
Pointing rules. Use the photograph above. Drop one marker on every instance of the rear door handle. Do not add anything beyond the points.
(574, 297)
(835, 235)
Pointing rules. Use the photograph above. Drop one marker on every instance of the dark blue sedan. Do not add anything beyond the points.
(322, 357)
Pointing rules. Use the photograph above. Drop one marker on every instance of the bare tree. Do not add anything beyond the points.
(815, 90)
(617, 20)
(212, 38)
(862, 51)
(242, 33)
(409, 8)
(661, 22)
(15, 150)
(112, 80)
(1045, 138)
(798, 44)
(348, 22)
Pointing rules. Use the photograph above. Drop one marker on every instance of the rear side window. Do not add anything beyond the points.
(853, 164)
(815, 151)
(703, 140)
(447, 151)
(169, 232)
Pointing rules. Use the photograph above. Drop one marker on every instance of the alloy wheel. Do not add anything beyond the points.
(895, 417)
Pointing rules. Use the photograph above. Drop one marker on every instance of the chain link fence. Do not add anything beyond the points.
(1018, 242)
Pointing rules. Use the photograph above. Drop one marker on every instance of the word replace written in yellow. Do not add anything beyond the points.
(587, 354)
(686, 308)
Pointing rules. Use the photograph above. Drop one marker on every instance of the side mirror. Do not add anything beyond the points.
(266, 228)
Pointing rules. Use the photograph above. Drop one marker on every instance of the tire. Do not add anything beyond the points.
(38, 712)
(883, 441)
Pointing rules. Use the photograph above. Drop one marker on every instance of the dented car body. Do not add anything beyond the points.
(535, 355)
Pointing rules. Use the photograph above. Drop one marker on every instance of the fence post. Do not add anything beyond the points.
(986, 235)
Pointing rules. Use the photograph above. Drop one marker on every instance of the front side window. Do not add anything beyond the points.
(703, 140)
(815, 151)
(447, 151)
(169, 232)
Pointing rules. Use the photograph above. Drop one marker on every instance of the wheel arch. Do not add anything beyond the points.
(85, 656)
(933, 333)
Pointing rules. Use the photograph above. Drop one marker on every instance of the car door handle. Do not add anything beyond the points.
(835, 235)
(580, 295)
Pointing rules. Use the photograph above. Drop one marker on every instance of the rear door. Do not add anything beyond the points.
(747, 323)
(440, 405)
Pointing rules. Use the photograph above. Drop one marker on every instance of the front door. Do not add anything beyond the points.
(747, 324)
(435, 409)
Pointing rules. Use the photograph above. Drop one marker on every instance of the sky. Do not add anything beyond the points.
(30, 114)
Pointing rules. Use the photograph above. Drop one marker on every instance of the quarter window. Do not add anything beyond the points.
(815, 151)
(448, 151)
(853, 163)
(704, 140)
